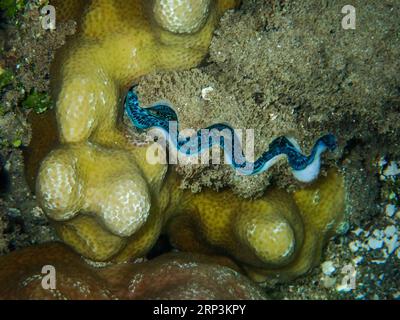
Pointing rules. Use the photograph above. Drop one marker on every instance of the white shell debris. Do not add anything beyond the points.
(358, 231)
(382, 162)
(343, 288)
(328, 282)
(390, 231)
(379, 234)
(380, 244)
(392, 238)
(389, 237)
(377, 261)
(328, 268)
(205, 93)
(374, 243)
(358, 260)
(390, 210)
(392, 169)
(355, 245)
(392, 244)
(376, 240)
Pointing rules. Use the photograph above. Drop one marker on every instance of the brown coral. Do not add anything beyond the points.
(178, 276)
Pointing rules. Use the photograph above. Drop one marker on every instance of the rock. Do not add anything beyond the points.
(171, 276)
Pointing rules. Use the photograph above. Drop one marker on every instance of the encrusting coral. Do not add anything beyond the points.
(180, 276)
(108, 202)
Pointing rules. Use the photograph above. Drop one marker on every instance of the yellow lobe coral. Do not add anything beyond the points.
(118, 196)
(97, 172)
(108, 202)
(280, 235)
(261, 232)
(181, 16)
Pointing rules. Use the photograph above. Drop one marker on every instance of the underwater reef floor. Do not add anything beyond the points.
(355, 99)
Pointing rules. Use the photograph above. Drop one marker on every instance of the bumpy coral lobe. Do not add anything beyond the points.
(117, 42)
(280, 235)
(109, 203)
(180, 276)
(98, 173)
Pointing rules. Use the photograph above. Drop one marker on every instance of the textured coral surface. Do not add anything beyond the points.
(179, 276)
(278, 236)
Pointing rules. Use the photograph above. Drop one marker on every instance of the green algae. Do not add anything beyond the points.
(39, 102)
(12, 7)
